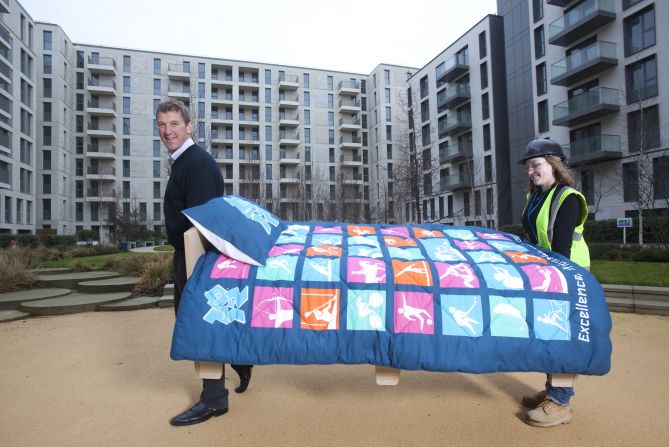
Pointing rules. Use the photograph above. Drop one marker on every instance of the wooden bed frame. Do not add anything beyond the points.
(195, 243)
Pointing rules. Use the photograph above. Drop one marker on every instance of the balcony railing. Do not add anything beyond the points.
(453, 96)
(587, 106)
(581, 20)
(452, 68)
(593, 150)
(454, 125)
(454, 182)
(584, 63)
(455, 152)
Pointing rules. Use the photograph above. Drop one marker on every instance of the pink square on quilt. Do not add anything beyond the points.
(414, 313)
(545, 278)
(289, 249)
(327, 230)
(226, 267)
(366, 271)
(456, 275)
(472, 245)
(272, 307)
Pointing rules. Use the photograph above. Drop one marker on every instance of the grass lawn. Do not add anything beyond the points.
(165, 248)
(631, 273)
(91, 261)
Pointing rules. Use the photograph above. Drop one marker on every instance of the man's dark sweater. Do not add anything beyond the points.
(194, 180)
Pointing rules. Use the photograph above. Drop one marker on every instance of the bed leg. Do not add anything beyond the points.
(562, 380)
(387, 376)
(206, 370)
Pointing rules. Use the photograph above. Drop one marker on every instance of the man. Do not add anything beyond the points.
(194, 179)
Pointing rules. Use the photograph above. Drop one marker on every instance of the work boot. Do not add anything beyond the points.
(533, 401)
(548, 414)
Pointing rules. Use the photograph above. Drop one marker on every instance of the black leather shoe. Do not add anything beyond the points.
(244, 372)
(196, 414)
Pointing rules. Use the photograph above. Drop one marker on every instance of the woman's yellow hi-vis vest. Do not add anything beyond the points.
(546, 220)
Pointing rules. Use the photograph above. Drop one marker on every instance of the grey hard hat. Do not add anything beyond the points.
(541, 148)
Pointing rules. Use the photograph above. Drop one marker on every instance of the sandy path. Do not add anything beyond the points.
(105, 379)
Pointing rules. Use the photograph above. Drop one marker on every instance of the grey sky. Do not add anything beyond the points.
(344, 35)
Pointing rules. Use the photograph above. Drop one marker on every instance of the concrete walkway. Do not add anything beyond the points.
(105, 379)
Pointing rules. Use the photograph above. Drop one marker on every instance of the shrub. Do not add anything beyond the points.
(157, 272)
(60, 241)
(16, 269)
(24, 240)
(92, 250)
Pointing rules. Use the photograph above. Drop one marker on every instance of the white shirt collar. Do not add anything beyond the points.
(174, 155)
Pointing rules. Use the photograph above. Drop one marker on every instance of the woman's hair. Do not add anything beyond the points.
(560, 171)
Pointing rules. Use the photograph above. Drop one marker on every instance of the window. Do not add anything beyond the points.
(541, 79)
(483, 46)
(388, 114)
(486, 137)
(538, 9)
(466, 204)
(307, 99)
(660, 178)
(126, 64)
(46, 107)
(200, 70)
(46, 135)
(424, 89)
(126, 168)
(487, 163)
(425, 110)
(539, 42)
(126, 126)
(386, 77)
(156, 168)
(425, 134)
(330, 83)
(46, 209)
(126, 84)
(485, 106)
(156, 66)
(200, 90)
(156, 87)
(629, 3)
(387, 95)
(331, 119)
(488, 201)
(156, 148)
(47, 64)
(643, 129)
(630, 182)
(48, 37)
(47, 88)
(126, 105)
(307, 117)
(641, 80)
(477, 202)
(639, 31)
(268, 114)
(330, 101)
(305, 80)
(542, 116)
(588, 186)
(268, 95)
(484, 75)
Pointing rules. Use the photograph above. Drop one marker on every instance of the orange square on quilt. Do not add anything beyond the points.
(423, 233)
(319, 309)
(360, 230)
(412, 272)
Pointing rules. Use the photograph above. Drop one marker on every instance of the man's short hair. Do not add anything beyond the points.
(174, 105)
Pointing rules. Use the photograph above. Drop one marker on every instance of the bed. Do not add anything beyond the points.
(415, 297)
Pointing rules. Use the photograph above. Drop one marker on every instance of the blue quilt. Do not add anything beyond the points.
(431, 297)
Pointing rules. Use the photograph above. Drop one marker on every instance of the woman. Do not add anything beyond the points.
(553, 219)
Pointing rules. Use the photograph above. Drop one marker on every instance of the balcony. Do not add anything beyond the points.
(581, 20)
(289, 101)
(560, 3)
(452, 68)
(586, 106)
(593, 150)
(453, 96)
(101, 109)
(289, 82)
(106, 173)
(98, 87)
(351, 125)
(248, 97)
(248, 78)
(289, 120)
(100, 195)
(103, 153)
(455, 182)
(179, 91)
(350, 87)
(350, 161)
(221, 98)
(582, 64)
(289, 140)
(289, 180)
(102, 65)
(289, 157)
(249, 119)
(454, 125)
(221, 79)
(4, 6)
(354, 179)
(221, 136)
(101, 130)
(252, 140)
(455, 152)
(221, 118)
(352, 142)
(349, 106)
(177, 72)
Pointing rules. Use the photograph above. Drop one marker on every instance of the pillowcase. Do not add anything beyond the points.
(237, 227)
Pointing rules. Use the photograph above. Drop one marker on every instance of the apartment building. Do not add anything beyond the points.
(459, 131)
(595, 69)
(18, 120)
